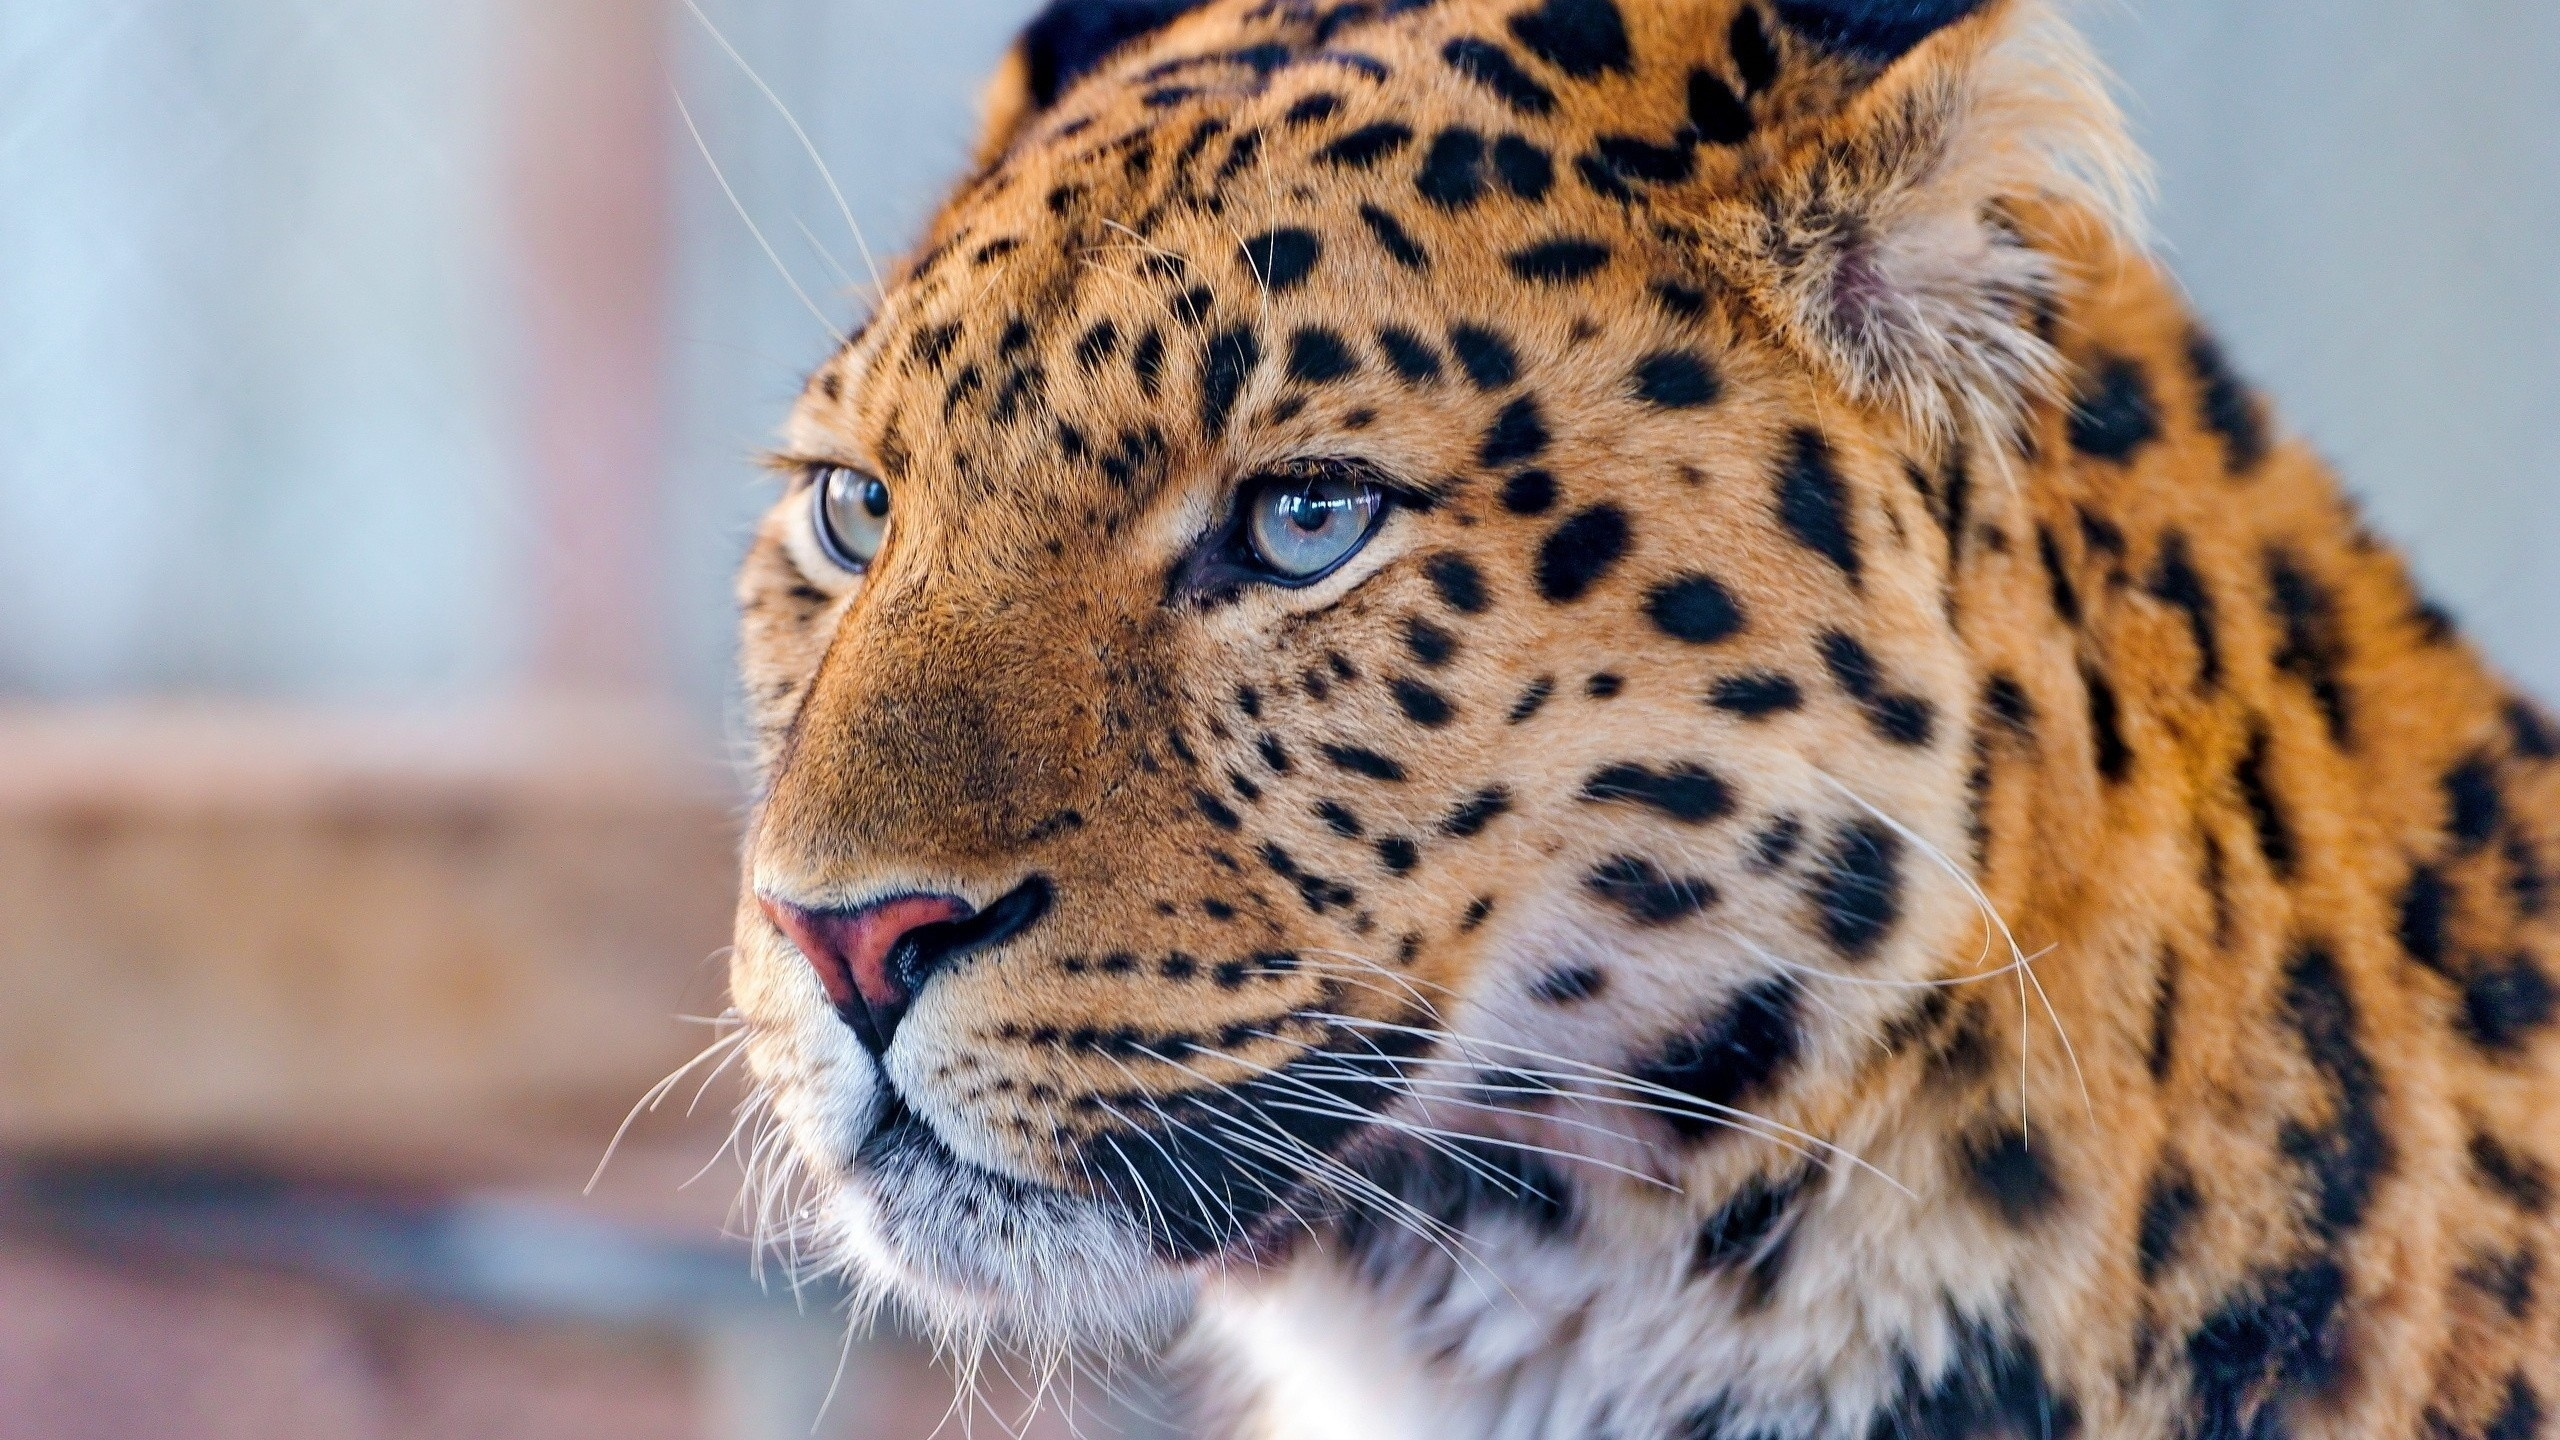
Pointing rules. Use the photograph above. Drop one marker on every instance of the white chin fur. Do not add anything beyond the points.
(975, 1254)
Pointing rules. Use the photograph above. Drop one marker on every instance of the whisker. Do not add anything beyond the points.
(1991, 912)
(807, 146)
(754, 229)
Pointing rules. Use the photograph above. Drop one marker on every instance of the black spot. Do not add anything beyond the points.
(1525, 169)
(1695, 608)
(2275, 833)
(2164, 1016)
(2108, 750)
(1570, 985)
(2506, 1278)
(2113, 416)
(1902, 718)
(1391, 237)
(1476, 910)
(1216, 809)
(1146, 361)
(1582, 38)
(1318, 356)
(1531, 492)
(1096, 345)
(1617, 163)
(2520, 1418)
(1750, 1230)
(1396, 853)
(1717, 114)
(1776, 845)
(1814, 505)
(1731, 1058)
(1428, 642)
(1366, 146)
(1686, 792)
(2229, 409)
(2315, 646)
(2057, 577)
(1459, 583)
(1754, 57)
(1647, 895)
(1491, 66)
(1318, 892)
(2426, 904)
(1358, 761)
(1677, 380)
(1420, 703)
(2169, 1209)
(1312, 109)
(1337, 817)
(1533, 699)
(1604, 686)
(2504, 1004)
(2524, 1180)
(1678, 301)
(1559, 261)
(1409, 355)
(1281, 260)
(1485, 356)
(1518, 433)
(1229, 360)
(2272, 1344)
(2534, 738)
(2006, 701)
(1859, 888)
(1756, 695)
(2175, 581)
(933, 344)
(1453, 170)
(2102, 536)
(1470, 819)
(1577, 553)
(2472, 804)
(2011, 1174)
(2346, 1157)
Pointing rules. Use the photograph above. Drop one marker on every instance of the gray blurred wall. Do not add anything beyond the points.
(272, 218)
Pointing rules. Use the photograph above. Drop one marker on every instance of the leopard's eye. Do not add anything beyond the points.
(1302, 526)
(852, 511)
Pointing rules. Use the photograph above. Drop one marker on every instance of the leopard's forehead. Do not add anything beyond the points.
(1313, 192)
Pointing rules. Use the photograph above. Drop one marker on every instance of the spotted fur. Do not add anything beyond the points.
(1871, 850)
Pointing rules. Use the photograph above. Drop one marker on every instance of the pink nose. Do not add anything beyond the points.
(853, 952)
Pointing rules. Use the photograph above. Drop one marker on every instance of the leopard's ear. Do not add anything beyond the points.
(1061, 45)
(1876, 227)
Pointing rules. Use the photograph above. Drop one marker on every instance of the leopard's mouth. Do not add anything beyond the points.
(1183, 1186)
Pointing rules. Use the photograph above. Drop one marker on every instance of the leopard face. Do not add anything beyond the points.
(1379, 588)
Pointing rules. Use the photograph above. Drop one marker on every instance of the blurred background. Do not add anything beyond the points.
(378, 386)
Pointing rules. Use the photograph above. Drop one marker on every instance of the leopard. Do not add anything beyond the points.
(1600, 718)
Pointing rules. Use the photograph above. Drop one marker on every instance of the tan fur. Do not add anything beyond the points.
(2191, 970)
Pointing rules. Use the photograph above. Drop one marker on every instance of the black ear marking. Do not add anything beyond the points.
(1877, 31)
(1069, 39)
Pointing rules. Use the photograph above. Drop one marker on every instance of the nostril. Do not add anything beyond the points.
(851, 951)
(872, 960)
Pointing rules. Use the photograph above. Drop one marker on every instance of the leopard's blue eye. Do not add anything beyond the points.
(1301, 527)
(852, 514)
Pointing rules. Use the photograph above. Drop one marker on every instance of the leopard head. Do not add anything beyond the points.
(1380, 587)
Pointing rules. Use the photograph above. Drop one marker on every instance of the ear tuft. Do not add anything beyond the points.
(1876, 31)
(1885, 243)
